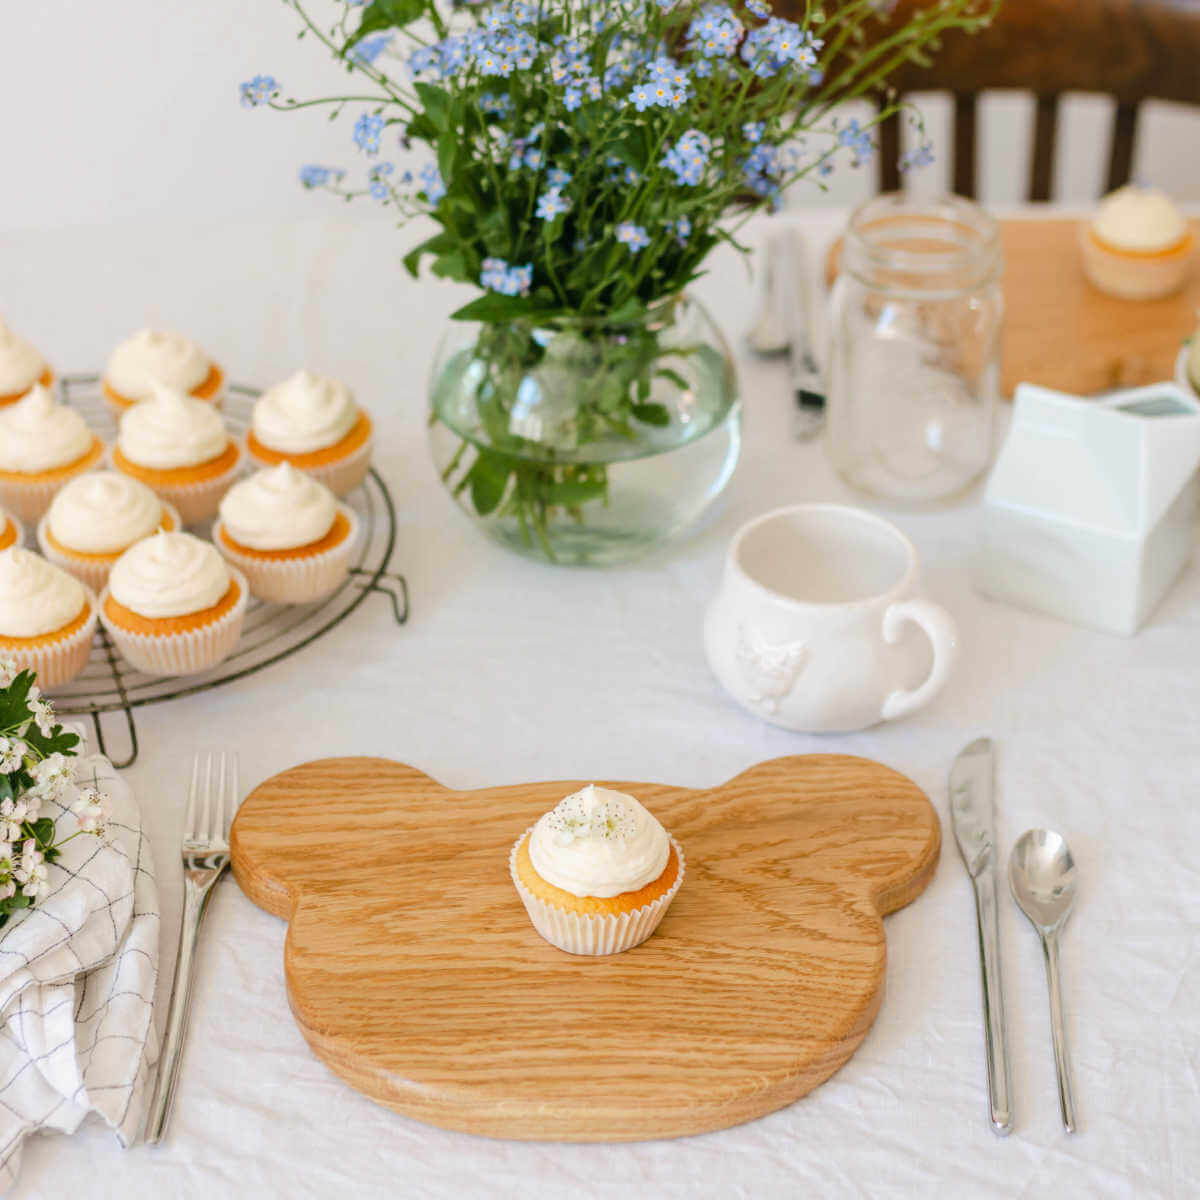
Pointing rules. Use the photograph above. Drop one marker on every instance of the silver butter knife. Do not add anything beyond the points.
(973, 815)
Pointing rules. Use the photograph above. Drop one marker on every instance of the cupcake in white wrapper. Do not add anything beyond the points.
(21, 366)
(597, 873)
(173, 606)
(47, 618)
(178, 447)
(95, 518)
(287, 534)
(314, 424)
(43, 444)
(153, 356)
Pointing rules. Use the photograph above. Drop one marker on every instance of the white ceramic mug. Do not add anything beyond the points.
(818, 625)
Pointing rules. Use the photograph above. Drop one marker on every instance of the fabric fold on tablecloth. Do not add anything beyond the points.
(77, 980)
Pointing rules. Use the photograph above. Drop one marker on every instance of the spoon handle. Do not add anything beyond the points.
(1058, 1032)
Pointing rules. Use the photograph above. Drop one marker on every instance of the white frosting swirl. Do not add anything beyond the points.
(278, 509)
(20, 364)
(171, 429)
(169, 575)
(103, 512)
(1139, 218)
(35, 596)
(304, 413)
(599, 842)
(153, 356)
(39, 434)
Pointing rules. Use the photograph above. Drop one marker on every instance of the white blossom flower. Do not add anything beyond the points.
(31, 871)
(43, 712)
(12, 755)
(8, 671)
(13, 814)
(7, 890)
(50, 776)
(94, 811)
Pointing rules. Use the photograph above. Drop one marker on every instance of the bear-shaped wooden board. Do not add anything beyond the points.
(414, 973)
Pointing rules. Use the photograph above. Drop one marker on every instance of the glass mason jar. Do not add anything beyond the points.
(586, 440)
(915, 347)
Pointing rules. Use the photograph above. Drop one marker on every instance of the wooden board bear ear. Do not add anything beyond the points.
(852, 818)
(282, 847)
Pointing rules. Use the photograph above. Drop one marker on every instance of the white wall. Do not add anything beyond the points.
(127, 111)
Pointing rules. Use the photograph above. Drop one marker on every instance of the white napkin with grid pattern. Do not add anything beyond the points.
(77, 978)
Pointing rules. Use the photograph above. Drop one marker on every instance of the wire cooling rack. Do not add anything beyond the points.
(271, 632)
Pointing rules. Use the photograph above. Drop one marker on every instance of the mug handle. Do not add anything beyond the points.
(939, 627)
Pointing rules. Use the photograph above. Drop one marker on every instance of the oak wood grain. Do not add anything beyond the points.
(414, 973)
(1060, 332)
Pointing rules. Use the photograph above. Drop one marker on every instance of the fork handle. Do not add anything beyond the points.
(195, 901)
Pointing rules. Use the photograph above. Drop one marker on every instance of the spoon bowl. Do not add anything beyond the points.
(1041, 873)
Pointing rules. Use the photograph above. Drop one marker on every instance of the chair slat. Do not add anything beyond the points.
(1045, 133)
(1124, 135)
(964, 144)
(889, 150)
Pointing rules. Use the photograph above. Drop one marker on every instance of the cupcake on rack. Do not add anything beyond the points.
(153, 356)
(173, 606)
(1138, 245)
(313, 423)
(21, 366)
(43, 444)
(597, 872)
(47, 618)
(95, 518)
(179, 448)
(287, 534)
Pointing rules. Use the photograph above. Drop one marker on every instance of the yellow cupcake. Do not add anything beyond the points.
(596, 873)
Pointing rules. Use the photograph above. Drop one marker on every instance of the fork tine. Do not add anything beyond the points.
(189, 816)
(206, 797)
(234, 798)
(216, 831)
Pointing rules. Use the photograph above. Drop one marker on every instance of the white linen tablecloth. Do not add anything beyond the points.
(509, 670)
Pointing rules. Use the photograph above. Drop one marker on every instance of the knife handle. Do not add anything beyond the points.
(994, 1029)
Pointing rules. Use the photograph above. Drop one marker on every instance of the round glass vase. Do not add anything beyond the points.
(586, 440)
(914, 363)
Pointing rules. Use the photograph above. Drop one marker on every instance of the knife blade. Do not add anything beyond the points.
(973, 817)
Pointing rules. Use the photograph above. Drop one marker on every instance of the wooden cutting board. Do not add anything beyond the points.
(1062, 333)
(414, 973)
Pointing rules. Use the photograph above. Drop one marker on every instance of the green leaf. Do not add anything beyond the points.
(673, 376)
(385, 14)
(453, 266)
(488, 479)
(493, 307)
(440, 243)
(652, 414)
(570, 492)
(447, 149)
(436, 104)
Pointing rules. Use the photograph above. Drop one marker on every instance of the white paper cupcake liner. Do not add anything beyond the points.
(29, 498)
(59, 661)
(195, 502)
(182, 653)
(89, 571)
(299, 580)
(577, 933)
(339, 477)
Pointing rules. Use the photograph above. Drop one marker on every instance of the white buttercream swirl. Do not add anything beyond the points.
(103, 512)
(36, 597)
(1140, 219)
(304, 413)
(169, 575)
(20, 364)
(599, 842)
(39, 434)
(278, 509)
(153, 356)
(171, 429)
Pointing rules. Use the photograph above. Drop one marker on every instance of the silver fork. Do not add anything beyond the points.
(212, 798)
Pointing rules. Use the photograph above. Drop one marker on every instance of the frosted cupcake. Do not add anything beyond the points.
(95, 518)
(314, 424)
(173, 606)
(287, 534)
(1138, 245)
(21, 366)
(153, 356)
(47, 618)
(12, 533)
(179, 448)
(597, 872)
(42, 445)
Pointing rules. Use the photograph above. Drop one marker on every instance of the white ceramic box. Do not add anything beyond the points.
(1088, 513)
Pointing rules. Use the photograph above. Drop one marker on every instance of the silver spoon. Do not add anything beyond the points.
(1041, 873)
